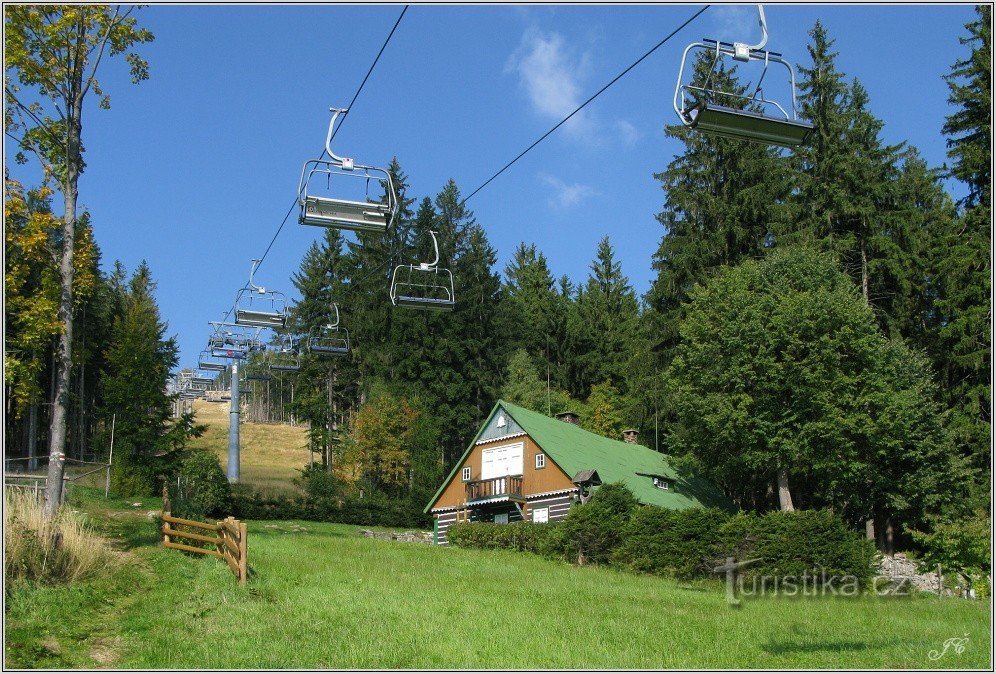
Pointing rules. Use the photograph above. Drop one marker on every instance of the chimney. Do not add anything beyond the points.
(631, 435)
(570, 417)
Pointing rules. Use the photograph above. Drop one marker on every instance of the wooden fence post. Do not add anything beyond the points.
(165, 527)
(243, 553)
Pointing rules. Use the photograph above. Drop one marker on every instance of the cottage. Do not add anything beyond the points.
(525, 465)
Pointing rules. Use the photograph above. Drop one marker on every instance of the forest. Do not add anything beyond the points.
(817, 333)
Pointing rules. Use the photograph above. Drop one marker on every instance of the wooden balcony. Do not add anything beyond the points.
(509, 486)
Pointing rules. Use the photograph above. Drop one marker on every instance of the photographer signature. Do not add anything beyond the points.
(956, 643)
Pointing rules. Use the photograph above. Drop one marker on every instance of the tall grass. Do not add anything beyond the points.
(63, 550)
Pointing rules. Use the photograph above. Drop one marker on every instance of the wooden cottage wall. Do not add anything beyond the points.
(550, 478)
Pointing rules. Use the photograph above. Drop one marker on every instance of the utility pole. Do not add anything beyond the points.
(233, 427)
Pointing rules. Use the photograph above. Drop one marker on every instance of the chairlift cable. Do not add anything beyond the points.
(579, 108)
(334, 132)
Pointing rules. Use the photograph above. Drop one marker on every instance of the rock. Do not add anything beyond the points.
(906, 570)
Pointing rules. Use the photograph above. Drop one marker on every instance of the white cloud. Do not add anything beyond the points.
(551, 74)
(736, 23)
(628, 132)
(564, 195)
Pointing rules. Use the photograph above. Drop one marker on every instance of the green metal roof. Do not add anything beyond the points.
(575, 449)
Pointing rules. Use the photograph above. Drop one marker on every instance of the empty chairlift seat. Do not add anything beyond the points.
(283, 356)
(425, 285)
(750, 116)
(335, 192)
(208, 361)
(256, 306)
(329, 339)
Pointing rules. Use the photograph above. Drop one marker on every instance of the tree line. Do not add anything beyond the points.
(816, 334)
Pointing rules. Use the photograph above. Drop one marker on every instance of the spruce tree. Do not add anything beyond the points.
(723, 198)
(325, 384)
(147, 441)
(965, 260)
(603, 327)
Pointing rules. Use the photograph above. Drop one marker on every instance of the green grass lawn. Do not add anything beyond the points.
(321, 596)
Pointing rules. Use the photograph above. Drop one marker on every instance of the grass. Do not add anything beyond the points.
(270, 455)
(63, 550)
(321, 596)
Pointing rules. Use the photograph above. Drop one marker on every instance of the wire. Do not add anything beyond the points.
(578, 109)
(615, 79)
(334, 132)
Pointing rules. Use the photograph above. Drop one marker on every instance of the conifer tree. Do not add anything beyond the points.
(325, 384)
(532, 303)
(965, 260)
(723, 198)
(139, 359)
(603, 327)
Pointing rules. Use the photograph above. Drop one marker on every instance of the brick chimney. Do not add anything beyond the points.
(631, 435)
(569, 417)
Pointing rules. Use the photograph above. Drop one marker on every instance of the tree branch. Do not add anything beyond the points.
(88, 80)
(40, 123)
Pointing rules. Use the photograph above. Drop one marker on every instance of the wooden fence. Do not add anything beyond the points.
(230, 540)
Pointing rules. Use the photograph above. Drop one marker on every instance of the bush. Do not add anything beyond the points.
(593, 530)
(62, 550)
(680, 543)
(374, 509)
(202, 489)
(541, 539)
(797, 542)
(961, 547)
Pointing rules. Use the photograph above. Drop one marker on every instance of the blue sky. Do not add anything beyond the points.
(194, 169)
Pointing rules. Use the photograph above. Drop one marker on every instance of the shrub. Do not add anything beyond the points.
(680, 543)
(522, 536)
(961, 547)
(202, 490)
(64, 549)
(374, 509)
(593, 530)
(796, 542)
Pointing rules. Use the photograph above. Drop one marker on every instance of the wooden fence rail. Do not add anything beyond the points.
(230, 540)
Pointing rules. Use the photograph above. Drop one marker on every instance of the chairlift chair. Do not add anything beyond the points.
(210, 362)
(423, 286)
(258, 307)
(230, 340)
(284, 355)
(771, 124)
(323, 210)
(329, 339)
(201, 382)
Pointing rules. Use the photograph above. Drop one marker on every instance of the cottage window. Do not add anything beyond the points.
(661, 483)
(541, 460)
(541, 515)
(466, 474)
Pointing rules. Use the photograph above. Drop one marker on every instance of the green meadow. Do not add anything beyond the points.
(322, 596)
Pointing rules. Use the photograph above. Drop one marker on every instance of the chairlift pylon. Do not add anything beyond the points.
(698, 108)
(258, 307)
(423, 286)
(329, 339)
(337, 212)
